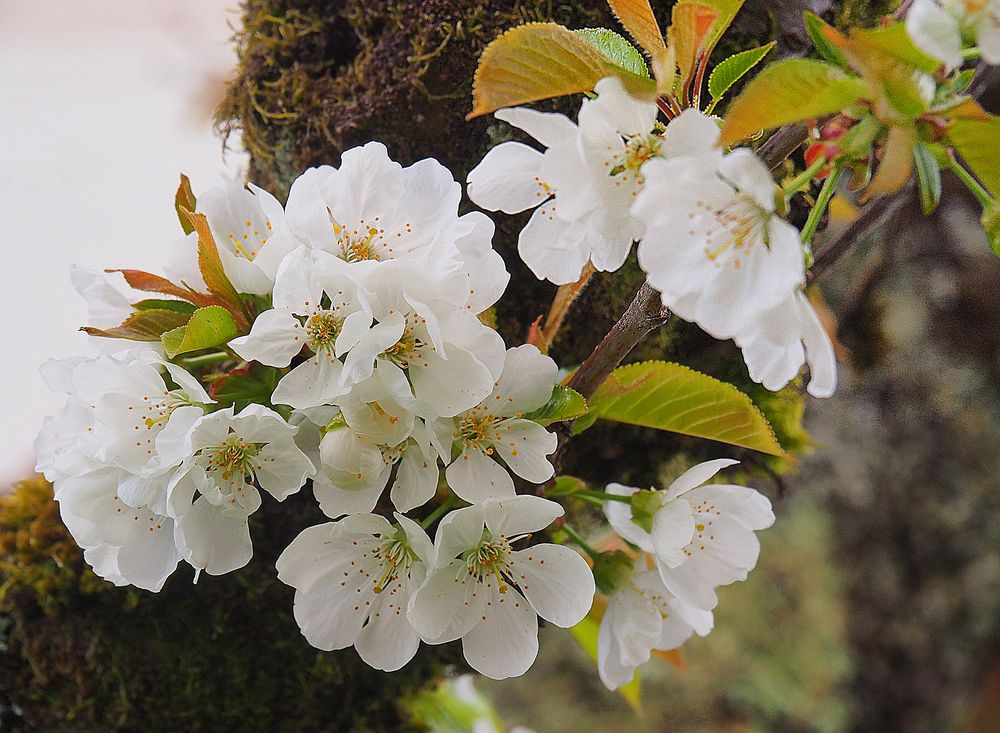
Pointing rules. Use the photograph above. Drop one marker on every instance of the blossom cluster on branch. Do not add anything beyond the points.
(343, 343)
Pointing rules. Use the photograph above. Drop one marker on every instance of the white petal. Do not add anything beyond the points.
(417, 479)
(274, 339)
(696, 476)
(213, 539)
(147, 561)
(619, 516)
(548, 128)
(336, 502)
(525, 446)
(552, 249)
(447, 604)
(475, 477)
(283, 469)
(673, 527)
(459, 531)
(691, 133)
(314, 382)
(819, 351)
(507, 179)
(629, 630)
(935, 32)
(306, 211)
(449, 386)
(525, 383)
(520, 514)
(556, 581)
(504, 643)
(742, 504)
(388, 641)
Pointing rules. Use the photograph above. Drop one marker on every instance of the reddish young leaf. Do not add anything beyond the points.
(149, 283)
(145, 325)
(636, 16)
(212, 271)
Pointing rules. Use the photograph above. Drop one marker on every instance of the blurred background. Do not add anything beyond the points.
(876, 604)
(104, 104)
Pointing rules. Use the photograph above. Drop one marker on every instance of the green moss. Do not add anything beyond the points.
(79, 654)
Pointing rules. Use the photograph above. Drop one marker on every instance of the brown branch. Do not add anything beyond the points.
(645, 313)
(782, 143)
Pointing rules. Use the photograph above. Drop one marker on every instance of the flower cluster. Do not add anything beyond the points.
(340, 342)
(711, 240)
(362, 299)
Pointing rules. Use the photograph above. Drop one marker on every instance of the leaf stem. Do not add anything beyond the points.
(439, 512)
(816, 215)
(982, 195)
(602, 496)
(578, 539)
(804, 178)
(215, 357)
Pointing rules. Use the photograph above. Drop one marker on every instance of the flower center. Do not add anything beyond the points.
(476, 429)
(734, 228)
(247, 244)
(491, 557)
(322, 329)
(409, 347)
(234, 458)
(396, 558)
(157, 413)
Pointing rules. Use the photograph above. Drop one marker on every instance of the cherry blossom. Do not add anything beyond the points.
(490, 595)
(353, 580)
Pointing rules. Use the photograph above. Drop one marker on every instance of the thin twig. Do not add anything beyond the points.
(877, 213)
(561, 304)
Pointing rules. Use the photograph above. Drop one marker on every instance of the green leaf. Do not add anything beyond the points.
(208, 327)
(180, 306)
(978, 142)
(585, 634)
(829, 52)
(144, 325)
(991, 225)
(731, 70)
(894, 41)
(564, 404)
(928, 177)
(185, 201)
(541, 60)
(618, 50)
(790, 91)
(213, 273)
(677, 399)
(564, 485)
(251, 385)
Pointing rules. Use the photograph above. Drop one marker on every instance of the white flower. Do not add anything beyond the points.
(495, 426)
(938, 28)
(359, 448)
(317, 305)
(714, 247)
(585, 182)
(108, 305)
(353, 580)
(213, 494)
(701, 537)
(642, 616)
(449, 357)
(123, 544)
(488, 594)
(782, 339)
(373, 209)
(251, 235)
(142, 424)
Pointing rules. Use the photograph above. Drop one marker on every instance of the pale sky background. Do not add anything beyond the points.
(102, 104)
